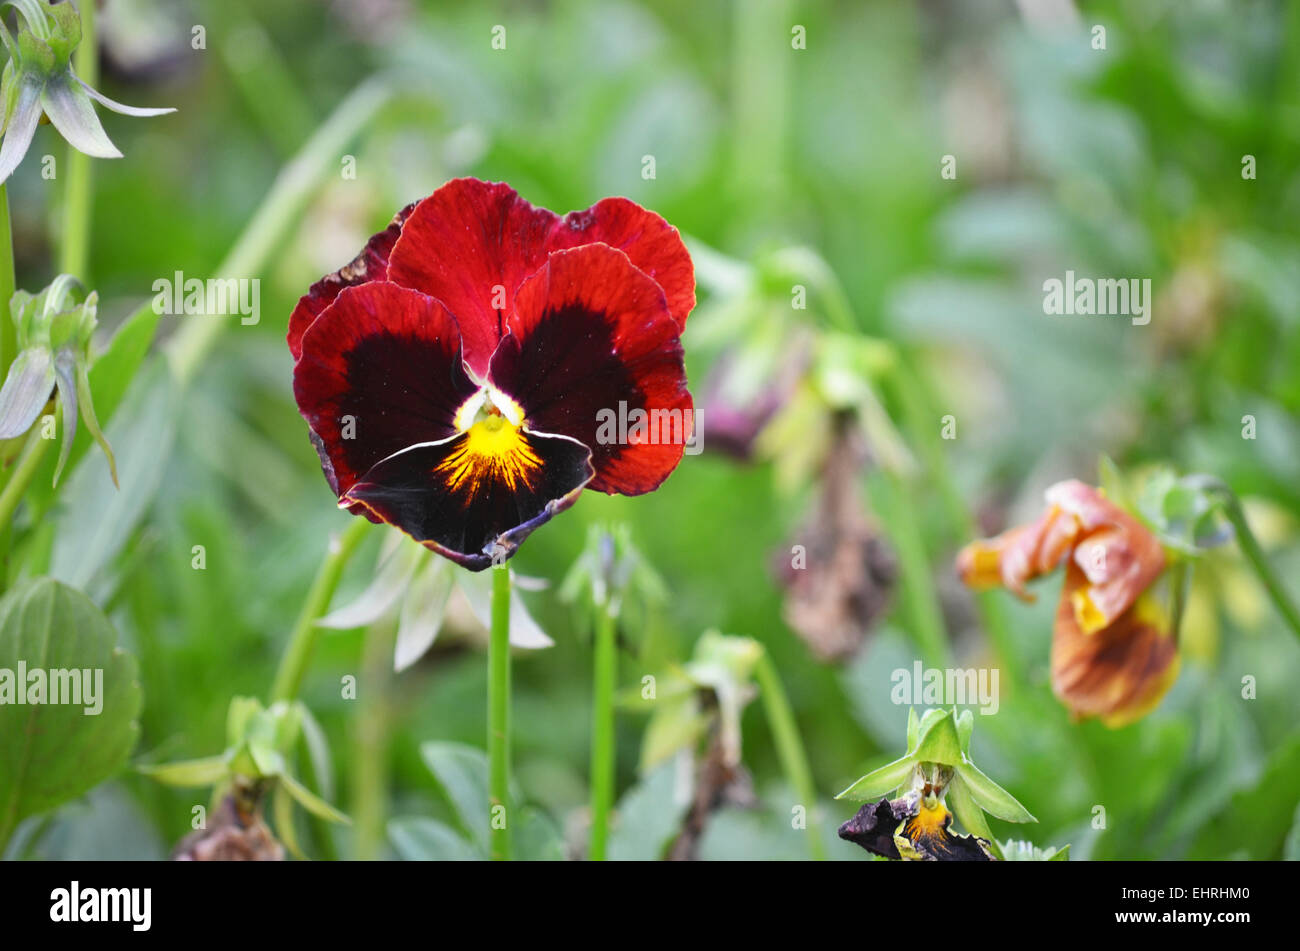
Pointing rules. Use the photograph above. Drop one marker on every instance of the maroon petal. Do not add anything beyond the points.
(471, 244)
(472, 498)
(370, 265)
(593, 349)
(380, 371)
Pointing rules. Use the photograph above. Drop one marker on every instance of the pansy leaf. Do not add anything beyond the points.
(72, 113)
(282, 813)
(53, 752)
(207, 771)
(427, 840)
(880, 781)
(26, 391)
(309, 801)
(991, 797)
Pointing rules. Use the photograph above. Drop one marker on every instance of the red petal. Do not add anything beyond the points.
(472, 243)
(591, 343)
(389, 358)
(370, 265)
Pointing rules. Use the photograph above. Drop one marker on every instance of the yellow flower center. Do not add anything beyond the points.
(495, 451)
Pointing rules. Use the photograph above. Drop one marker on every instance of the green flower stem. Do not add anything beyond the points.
(499, 714)
(1250, 547)
(605, 676)
(297, 653)
(8, 284)
(74, 248)
(292, 190)
(789, 747)
(372, 737)
(29, 461)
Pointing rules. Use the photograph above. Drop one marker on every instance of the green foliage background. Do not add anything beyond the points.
(1125, 162)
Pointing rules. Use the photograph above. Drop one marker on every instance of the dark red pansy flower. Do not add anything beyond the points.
(482, 361)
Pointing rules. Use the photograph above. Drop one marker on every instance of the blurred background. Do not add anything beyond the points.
(789, 158)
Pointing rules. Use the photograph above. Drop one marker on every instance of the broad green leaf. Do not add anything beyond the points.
(462, 772)
(537, 838)
(427, 840)
(53, 752)
(991, 797)
(648, 817)
(191, 772)
(880, 781)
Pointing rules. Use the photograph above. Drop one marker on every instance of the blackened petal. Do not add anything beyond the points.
(474, 513)
(594, 354)
(370, 265)
(873, 829)
(380, 371)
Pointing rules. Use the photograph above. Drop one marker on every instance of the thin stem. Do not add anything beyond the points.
(8, 284)
(789, 747)
(372, 739)
(277, 212)
(297, 653)
(605, 676)
(28, 462)
(499, 715)
(74, 249)
(1250, 547)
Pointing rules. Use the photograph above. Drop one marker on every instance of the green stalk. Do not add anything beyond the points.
(74, 249)
(605, 676)
(28, 462)
(372, 738)
(789, 747)
(1250, 547)
(293, 188)
(499, 716)
(297, 653)
(8, 284)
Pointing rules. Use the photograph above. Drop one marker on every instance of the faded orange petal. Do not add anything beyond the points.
(1118, 556)
(1019, 554)
(1118, 672)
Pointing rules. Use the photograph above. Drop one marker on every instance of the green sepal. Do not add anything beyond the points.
(880, 781)
(991, 797)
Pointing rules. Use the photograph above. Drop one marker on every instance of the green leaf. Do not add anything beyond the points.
(880, 781)
(53, 752)
(427, 840)
(191, 772)
(309, 801)
(462, 772)
(537, 837)
(98, 519)
(991, 797)
(648, 817)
